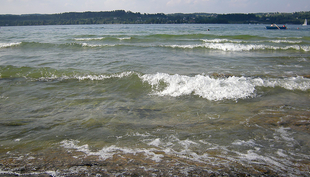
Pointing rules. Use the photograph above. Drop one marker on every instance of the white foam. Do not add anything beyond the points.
(156, 142)
(223, 46)
(185, 46)
(217, 88)
(9, 173)
(5, 45)
(86, 77)
(278, 41)
(51, 173)
(223, 41)
(102, 77)
(285, 135)
(235, 47)
(291, 83)
(139, 134)
(88, 39)
(186, 143)
(96, 45)
(217, 40)
(245, 143)
(252, 156)
(285, 41)
(53, 77)
(186, 151)
(203, 86)
(108, 152)
(124, 38)
(280, 152)
(305, 48)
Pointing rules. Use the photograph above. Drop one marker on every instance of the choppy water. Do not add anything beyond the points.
(154, 100)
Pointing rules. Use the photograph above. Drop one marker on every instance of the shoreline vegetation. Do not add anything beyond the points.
(128, 17)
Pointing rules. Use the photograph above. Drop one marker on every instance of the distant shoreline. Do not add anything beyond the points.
(128, 17)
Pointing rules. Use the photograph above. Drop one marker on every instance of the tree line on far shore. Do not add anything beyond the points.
(128, 17)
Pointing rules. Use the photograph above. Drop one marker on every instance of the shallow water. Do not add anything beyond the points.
(154, 100)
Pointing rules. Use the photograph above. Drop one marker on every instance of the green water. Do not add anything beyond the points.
(154, 100)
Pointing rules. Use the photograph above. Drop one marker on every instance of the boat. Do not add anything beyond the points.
(274, 26)
(305, 23)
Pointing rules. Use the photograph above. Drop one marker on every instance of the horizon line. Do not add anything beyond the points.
(153, 13)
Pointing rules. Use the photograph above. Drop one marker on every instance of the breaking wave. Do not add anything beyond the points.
(89, 39)
(6, 45)
(163, 84)
(218, 88)
(235, 47)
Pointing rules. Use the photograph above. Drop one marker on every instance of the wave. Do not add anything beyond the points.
(172, 37)
(210, 36)
(241, 47)
(11, 44)
(124, 38)
(158, 149)
(31, 45)
(89, 39)
(218, 88)
(39, 45)
(50, 74)
(286, 41)
(221, 41)
(203, 86)
(102, 38)
(96, 45)
(278, 41)
(163, 84)
(191, 41)
(176, 36)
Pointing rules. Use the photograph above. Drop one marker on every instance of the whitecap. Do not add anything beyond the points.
(234, 47)
(124, 38)
(218, 88)
(88, 39)
(86, 77)
(221, 41)
(291, 83)
(96, 45)
(6, 45)
(237, 47)
(184, 46)
(203, 86)
(285, 41)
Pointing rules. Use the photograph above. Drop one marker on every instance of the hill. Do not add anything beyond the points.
(123, 17)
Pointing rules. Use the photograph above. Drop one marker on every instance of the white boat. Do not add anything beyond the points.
(305, 23)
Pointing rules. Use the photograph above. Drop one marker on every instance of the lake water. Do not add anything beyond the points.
(126, 100)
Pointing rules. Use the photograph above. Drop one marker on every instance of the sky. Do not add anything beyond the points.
(152, 6)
